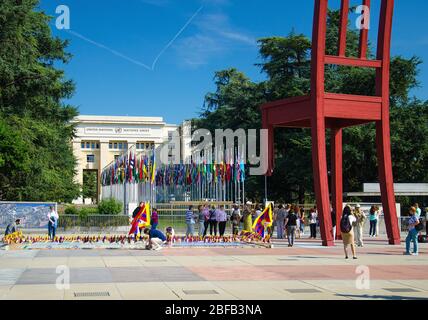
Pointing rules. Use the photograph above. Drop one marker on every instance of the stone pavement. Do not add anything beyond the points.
(307, 271)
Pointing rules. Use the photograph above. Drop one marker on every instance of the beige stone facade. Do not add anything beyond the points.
(99, 139)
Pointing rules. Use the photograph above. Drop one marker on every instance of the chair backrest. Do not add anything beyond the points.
(320, 59)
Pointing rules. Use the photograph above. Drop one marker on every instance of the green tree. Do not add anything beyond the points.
(36, 159)
(90, 185)
(286, 62)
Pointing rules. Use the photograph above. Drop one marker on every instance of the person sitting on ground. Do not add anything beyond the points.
(12, 227)
(156, 239)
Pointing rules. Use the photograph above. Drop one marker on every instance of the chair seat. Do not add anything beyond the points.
(342, 110)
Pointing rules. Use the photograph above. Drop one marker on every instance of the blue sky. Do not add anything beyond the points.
(158, 57)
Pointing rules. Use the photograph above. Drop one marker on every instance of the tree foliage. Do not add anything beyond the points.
(36, 159)
(286, 62)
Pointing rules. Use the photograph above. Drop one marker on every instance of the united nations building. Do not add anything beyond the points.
(99, 140)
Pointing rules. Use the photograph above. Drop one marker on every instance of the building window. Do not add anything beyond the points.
(90, 158)
(119, 145)
(90, 145)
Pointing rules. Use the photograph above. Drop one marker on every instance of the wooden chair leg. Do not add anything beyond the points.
(319, 156)
(337, 176)
(387, 182)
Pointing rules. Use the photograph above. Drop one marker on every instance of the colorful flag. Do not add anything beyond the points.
(263, 221)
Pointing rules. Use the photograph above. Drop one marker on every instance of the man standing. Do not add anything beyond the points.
(291, 225)
(280, 217)
(137, 210)
(52, 223)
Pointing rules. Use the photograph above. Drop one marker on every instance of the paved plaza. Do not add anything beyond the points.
(307, 271)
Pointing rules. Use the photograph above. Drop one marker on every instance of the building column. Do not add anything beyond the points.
(103, 162)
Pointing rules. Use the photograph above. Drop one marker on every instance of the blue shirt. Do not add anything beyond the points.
(189, 216)
(157, 234)
(413, 220)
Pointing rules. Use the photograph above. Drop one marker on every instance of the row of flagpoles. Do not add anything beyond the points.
(137, 177)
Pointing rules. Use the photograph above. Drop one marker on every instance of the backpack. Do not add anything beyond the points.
(419, 227)
(292, 220)
(345, 224)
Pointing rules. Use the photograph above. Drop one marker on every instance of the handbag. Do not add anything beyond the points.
(420, 226)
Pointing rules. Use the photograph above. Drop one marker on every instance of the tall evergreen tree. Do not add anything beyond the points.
(36, 159)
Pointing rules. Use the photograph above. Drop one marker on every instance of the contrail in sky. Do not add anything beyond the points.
(136, 62)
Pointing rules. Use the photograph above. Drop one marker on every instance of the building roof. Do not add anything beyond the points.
(119, 120)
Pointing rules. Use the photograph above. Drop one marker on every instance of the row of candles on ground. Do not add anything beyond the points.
(246, 237)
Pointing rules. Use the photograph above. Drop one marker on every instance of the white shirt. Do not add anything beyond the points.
(352, 219)
(53, 214)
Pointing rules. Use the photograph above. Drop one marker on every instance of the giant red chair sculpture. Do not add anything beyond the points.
(321, 110)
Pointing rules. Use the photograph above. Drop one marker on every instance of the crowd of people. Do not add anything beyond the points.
(290, 222)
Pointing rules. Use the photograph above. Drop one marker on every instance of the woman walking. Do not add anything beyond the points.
(346, 226)
(359, 225)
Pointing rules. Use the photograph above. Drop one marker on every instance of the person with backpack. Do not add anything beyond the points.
(291, 225)
(415, 226)
(347, 230)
